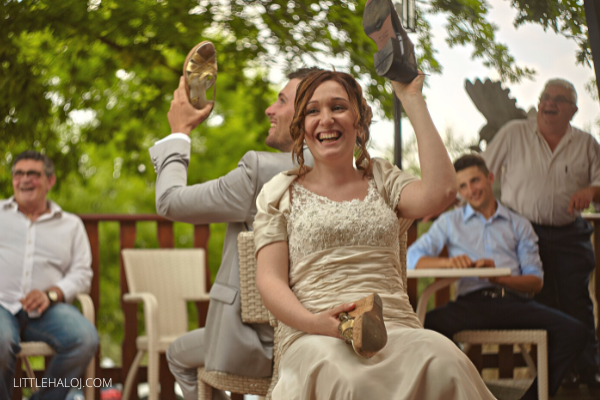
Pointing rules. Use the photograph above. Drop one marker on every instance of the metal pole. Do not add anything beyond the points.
(592, 14)
(397, 132)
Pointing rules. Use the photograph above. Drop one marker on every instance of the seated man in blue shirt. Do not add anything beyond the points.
(484, 233)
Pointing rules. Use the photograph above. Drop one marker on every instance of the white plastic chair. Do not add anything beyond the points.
(520, 337)
(41, 349)
(164, 280)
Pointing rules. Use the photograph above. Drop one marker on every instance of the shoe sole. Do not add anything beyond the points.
(369, 335)
(198, 85)
(379, 19)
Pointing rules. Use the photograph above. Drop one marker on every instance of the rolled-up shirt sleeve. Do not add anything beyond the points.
(429, 244)
(78, 276)
(527, 249)
(496, 151)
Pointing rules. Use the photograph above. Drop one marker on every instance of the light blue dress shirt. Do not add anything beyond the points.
(507, 238)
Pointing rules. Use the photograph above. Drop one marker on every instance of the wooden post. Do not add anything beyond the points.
(506, 362)
(128, 347)
(201, 235)
(596, 224)
(91, 228)
(166, 240)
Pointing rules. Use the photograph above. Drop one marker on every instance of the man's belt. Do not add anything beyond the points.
(500, 292)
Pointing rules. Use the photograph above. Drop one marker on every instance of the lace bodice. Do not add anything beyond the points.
(316, 223)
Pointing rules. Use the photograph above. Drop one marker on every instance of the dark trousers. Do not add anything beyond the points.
(568, 258)
(474, 311)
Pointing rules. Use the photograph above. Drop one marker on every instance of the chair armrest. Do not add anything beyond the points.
(150, 315)
(87, 307)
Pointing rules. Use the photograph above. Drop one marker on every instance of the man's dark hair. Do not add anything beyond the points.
(302, 73)
(471, 160)
(37, 156)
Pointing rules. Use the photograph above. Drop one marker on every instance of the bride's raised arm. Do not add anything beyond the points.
(438, 186)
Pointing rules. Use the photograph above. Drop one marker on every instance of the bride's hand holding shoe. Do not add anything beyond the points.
(327, 322)
(406, 91)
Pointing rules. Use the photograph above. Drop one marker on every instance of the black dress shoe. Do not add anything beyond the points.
(570, 380)
(592, 380)
(395, 59)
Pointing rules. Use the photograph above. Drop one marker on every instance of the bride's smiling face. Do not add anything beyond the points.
(329, 123)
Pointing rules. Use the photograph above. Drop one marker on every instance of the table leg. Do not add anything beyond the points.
(429, 290)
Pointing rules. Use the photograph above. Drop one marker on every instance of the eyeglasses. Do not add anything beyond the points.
(560, 99)
(18, 174)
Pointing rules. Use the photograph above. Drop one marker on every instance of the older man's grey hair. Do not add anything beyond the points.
(565, 84)
(36, 156)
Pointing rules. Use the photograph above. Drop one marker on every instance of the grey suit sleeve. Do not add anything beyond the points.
(226, 199)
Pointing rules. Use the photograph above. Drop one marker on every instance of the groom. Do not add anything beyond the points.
(226, 344)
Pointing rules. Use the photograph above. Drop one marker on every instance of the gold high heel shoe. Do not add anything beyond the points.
(200, 71)
(363, 327)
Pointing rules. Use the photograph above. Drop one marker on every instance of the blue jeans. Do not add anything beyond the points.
(63, 328)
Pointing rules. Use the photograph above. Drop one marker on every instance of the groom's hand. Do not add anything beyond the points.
(183, 117)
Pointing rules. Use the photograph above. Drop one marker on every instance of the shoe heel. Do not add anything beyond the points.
(394, 68)
(200, 71)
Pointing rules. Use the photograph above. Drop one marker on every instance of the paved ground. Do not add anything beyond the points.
(581, 393)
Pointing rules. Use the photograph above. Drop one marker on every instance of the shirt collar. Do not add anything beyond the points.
(501, 212)
(11, 203)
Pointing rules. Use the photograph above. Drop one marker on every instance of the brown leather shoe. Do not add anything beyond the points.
(200, 71)
(363, 327)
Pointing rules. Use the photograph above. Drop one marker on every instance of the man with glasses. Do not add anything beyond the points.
(550, 172)
(45, 260)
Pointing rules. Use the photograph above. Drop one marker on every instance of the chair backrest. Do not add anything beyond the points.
(173, 276)
(253, 309)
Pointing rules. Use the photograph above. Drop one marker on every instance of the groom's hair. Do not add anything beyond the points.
(302, 73)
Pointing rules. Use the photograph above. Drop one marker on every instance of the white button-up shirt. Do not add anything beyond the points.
(54, 250)
(536, 182)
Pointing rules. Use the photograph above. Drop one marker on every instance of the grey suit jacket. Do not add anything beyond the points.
(231, 346)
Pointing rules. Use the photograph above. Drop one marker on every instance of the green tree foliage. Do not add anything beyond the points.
(61, 56)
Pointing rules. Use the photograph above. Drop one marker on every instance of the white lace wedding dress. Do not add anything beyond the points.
(340, 252)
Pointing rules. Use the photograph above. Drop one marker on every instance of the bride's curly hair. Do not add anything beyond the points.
(362, 120)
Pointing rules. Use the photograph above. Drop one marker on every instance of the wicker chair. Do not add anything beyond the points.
(538, 337)
(37, 349)
(163, 280)
(253, 311)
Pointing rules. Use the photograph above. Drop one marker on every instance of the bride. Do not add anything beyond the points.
(329, 236)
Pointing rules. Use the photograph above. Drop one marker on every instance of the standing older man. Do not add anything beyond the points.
(45, 260)
(550, 173)
(227, 344)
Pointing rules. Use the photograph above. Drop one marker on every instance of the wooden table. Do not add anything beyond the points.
(444, 277)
